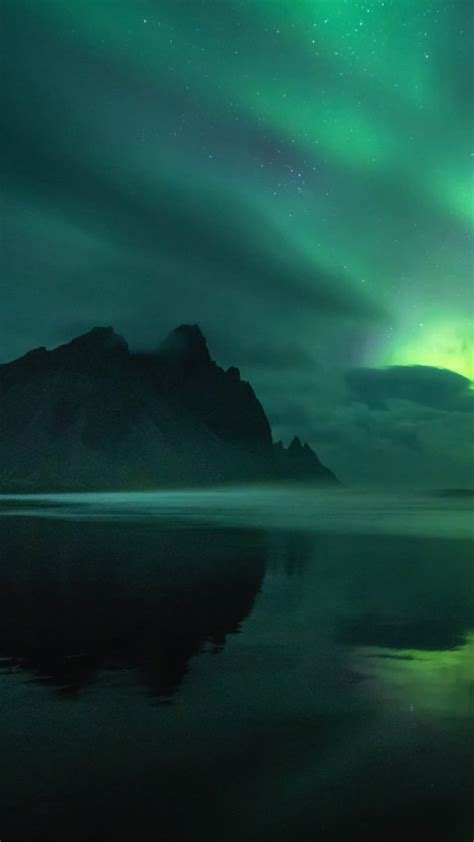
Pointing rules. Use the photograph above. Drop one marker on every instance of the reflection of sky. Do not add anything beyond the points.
(291, 718)
(422, 680)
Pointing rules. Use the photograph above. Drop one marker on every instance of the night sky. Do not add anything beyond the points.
(293, 175)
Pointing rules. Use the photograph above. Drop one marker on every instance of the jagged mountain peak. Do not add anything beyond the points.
(186, 345)
(295, 444)
(97, 339)
(91, 415)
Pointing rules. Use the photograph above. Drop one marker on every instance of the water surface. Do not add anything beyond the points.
(236, 665)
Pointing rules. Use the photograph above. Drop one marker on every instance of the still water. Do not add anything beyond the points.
(251, 665)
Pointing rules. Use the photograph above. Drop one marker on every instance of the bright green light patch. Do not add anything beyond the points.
(436, 681)
(442, 346)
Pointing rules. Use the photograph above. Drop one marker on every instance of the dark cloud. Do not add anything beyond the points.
(270, 356)
(381, 447)
(439, 388)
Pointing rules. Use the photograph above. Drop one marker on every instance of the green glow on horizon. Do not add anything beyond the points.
(442, 346)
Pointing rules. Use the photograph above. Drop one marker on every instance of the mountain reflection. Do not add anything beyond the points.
(79, 598)
(350, 683)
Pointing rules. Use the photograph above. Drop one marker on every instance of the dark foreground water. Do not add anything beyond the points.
(235, 666)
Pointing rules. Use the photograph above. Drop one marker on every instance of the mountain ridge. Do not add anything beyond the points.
(92, 415)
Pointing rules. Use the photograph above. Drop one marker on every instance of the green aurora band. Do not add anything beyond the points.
(312, 159)
(370, 92)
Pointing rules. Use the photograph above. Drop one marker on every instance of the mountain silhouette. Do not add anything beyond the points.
(91, 415)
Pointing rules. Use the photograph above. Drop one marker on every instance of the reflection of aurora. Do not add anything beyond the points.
(440, 681)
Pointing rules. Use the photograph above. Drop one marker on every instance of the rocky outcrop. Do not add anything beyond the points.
(92, 415)
(299, 462)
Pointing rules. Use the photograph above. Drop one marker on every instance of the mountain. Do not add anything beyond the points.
(299, 462)
(91, 415)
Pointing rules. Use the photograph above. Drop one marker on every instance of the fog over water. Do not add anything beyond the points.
(303, 508)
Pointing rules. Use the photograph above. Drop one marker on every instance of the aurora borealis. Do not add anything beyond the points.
(294, 175)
